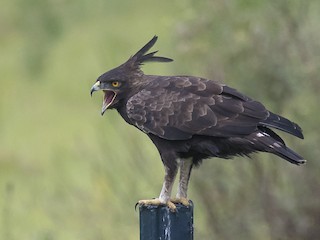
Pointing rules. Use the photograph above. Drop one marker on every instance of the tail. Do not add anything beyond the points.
(283, 124)
(268, 141)
(289, 155)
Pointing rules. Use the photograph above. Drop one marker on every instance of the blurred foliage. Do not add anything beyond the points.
(67, 173)
(269, 50)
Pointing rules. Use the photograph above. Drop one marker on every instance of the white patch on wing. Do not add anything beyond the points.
(259, 134)
(277, 145)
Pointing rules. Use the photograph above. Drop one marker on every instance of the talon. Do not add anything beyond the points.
(156, 202)
(135, 206)
(183, 201)
(171, 206)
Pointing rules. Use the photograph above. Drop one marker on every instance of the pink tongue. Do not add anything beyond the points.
(107, 99)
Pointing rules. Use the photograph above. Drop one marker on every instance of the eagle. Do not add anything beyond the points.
(190, 119)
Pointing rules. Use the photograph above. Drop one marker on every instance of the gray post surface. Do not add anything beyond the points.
(159, 223)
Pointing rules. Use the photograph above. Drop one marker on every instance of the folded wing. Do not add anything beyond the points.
(176, 108)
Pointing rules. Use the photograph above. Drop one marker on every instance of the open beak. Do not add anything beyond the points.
(108, 97)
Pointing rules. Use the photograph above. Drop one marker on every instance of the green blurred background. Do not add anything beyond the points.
(68, 173)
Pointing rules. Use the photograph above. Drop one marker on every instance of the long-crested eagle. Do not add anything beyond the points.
(190, 119)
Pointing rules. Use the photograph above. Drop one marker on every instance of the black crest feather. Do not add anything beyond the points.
(141, 57)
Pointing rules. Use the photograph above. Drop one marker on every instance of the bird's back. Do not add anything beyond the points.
(209, 117)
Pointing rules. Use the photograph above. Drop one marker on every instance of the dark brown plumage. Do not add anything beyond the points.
(191, 118)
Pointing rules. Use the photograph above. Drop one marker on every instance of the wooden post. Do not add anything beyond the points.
(159, 223)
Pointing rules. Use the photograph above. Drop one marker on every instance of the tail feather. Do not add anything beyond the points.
(289, 155)
(281, 123)
(269, 141)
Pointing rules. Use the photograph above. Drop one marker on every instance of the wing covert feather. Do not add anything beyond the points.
(176, 108)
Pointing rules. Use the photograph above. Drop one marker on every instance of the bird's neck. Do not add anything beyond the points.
(139, 83)
(123, 112)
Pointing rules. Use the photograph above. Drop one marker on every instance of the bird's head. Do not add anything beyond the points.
(122, 80)
(111, 88)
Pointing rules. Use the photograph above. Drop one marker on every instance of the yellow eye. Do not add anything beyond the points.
(115, 84)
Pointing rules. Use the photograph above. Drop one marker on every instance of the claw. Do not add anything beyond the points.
(171, 206)
(157, 202)
(183, 201)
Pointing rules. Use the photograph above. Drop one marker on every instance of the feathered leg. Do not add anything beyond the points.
(185, 171)
(165, 194)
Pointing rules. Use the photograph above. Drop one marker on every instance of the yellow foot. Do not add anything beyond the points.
(157, 202)
(183, 201)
